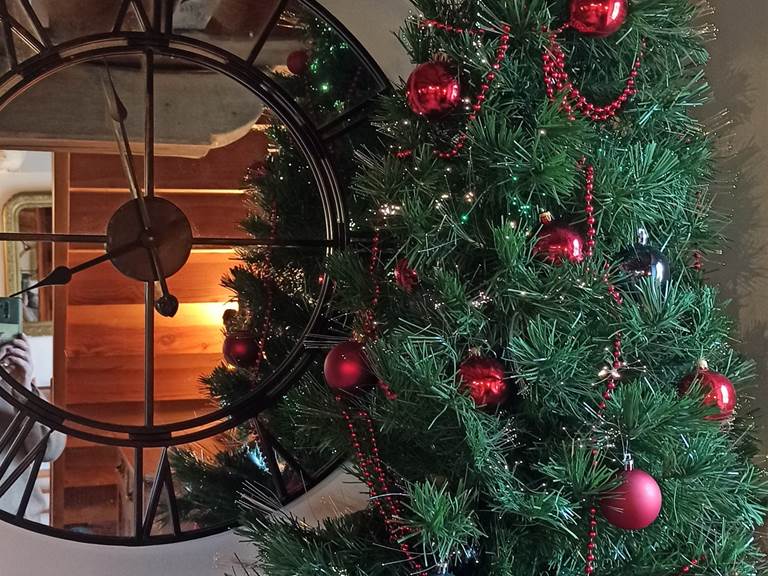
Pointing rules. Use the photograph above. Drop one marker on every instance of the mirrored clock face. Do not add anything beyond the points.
(162, 123)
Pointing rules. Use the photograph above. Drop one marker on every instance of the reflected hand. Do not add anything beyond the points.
(16, 359)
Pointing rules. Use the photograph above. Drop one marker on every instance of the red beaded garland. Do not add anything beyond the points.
(591, 537)
(589, 188)
(557, 81)
(432, 23)
(361, 430)
(240, 348)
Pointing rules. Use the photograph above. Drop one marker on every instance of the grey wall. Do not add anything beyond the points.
(738, 73)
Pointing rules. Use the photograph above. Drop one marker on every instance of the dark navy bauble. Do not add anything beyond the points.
(641, 261)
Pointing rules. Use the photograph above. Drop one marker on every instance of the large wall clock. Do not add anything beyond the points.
(153, 109)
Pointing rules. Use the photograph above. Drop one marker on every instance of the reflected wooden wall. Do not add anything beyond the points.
(99, 318)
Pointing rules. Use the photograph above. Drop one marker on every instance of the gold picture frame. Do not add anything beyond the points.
(11, 211)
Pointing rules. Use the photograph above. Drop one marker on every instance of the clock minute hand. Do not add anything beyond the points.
(118, 113)
(62, 275)
(167, 304)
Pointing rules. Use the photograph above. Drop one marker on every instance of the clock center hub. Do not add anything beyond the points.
(170, 234)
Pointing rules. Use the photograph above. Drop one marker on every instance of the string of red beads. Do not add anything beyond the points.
(369, 315)
(432, 23)
(589, 189)
(477, 106)
(610, 387)
(557, 81)
(269, 290)
(589, 567)
(375, 478)
(692, 564)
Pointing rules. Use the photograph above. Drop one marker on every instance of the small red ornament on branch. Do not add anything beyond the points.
(484, 379)
(635, 504)
(405, 276)
(558, 242)
(719, 391)
(297, 62)
(432, 90)
(460, 140)
(346, 368)
(598, 17)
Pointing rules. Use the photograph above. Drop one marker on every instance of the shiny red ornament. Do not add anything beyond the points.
(432, 90)
(558, 243)
(483, 378)
(598, 17)
(241, 349)
(297, 62)
(405, 276)
(346, 368)
(718, 391)
(635, 504)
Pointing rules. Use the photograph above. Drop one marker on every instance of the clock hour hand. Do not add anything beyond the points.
(167, 304)
(62, 275)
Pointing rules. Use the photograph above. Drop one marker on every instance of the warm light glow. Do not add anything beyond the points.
(211, 313)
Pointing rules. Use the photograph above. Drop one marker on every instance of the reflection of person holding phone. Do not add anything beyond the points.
(16, 359)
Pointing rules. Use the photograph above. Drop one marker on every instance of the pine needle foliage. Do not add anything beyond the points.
(516, 483)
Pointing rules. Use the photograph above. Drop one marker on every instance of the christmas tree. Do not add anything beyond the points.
(538, 379)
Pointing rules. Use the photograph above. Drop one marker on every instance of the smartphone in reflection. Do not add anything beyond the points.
(10, 318)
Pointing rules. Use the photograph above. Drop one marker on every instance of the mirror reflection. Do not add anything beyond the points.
(96, 344)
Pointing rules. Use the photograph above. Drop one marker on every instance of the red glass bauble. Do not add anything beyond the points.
(241, 349)
(718, 391)
(297, 62)
(598, 17)
(346, 368)
(635, 504)
(558, 243)
(483, 378)
(405, 276)
(432, 90)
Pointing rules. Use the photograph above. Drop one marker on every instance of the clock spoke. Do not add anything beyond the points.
(304, 243)
(21, 467)
(138, 9)
(30, 486)
(10, 47)
(352, 117)
(149, 353)
(274, 18)
(138, 493)
(149, 124)
(54, 238)
(40, 30)
(162, 480)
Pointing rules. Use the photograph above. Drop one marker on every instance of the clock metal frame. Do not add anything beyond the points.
(157, 38)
